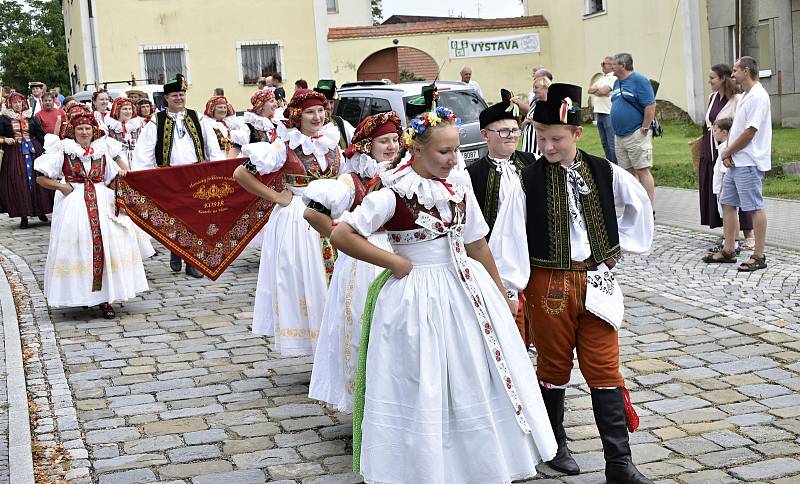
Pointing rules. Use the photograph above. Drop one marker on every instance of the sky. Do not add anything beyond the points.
(456, 8)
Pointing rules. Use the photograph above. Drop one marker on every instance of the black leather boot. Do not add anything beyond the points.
(175, 262)
(554, 403)
(192, 271)
(609, 414)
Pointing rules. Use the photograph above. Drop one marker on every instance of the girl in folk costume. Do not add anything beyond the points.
(296, 262)
(92, 258)
(445, 391)
(145, 109)
(19, 194)
(259, 121)
(124, 126)
(220, 117)
(375, 147)
(101, 102)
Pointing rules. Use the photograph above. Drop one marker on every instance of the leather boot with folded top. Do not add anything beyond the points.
(554, 403)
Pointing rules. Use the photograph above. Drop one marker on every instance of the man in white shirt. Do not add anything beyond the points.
(601, 103)
(175, 137)
(466, 78)
(748, 157)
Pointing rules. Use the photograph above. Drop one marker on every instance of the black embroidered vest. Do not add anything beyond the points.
(548, 212)
(165, 135)
(486, 183)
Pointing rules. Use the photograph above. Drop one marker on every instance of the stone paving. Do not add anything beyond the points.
(177, 389)
(4, 469)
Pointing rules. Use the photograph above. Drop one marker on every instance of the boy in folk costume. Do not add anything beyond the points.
(573, 299)
(496, 180)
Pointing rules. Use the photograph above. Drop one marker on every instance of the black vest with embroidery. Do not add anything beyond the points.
(548, 215)
(165, 137)
(486, 183)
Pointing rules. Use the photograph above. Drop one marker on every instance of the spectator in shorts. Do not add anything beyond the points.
(601, 103)
(633, 108)
(748, 158)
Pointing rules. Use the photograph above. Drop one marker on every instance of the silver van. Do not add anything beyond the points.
(358, 100)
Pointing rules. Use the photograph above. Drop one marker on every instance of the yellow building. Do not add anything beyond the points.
(214, 43)
(668, 41)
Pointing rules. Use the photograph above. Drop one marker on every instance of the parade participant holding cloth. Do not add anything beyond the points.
(573, 299)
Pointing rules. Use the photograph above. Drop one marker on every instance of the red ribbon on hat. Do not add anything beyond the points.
(563, 112)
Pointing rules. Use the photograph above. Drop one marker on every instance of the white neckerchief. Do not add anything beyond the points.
(430, 192)
(508, 176)
(179, 122)
(364, 166)
(258, 122)
(579, 187)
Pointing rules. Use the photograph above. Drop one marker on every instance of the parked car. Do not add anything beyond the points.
(358, 100)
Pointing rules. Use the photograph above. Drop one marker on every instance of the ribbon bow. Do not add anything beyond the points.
(88, 151)
(566, 108)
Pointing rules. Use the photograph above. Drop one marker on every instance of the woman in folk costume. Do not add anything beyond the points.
(101, 101)
(20, 196)
(296, 262)
(145, 109)
(445, 391)
(93, 257)
(375, 146)
(124, 126)
(259, 122)
(220, 117)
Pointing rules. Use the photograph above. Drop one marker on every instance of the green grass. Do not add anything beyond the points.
(672, 161)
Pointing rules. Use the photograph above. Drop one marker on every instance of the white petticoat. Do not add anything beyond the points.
(435, 409)
(68, 270)
(292, 287)
(336, 356)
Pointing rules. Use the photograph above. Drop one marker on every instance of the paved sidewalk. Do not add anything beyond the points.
(4, 467)
(679, 207)
(178, 389)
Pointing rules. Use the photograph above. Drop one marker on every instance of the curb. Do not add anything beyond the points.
(20, 458)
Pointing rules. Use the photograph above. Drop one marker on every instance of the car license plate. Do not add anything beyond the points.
(470, 155)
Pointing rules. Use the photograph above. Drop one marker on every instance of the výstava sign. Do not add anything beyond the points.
(494, 46)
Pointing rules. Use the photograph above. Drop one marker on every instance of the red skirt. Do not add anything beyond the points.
(21, 196)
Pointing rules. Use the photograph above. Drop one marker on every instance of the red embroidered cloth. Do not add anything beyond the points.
(198, 211)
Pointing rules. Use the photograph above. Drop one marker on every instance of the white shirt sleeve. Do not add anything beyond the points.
(475, 227)
(376, 209)
(144, 154)
(349, 130)
(213, 152)
(266, 157)
(636, 223)
(509, 240)
(336, 195)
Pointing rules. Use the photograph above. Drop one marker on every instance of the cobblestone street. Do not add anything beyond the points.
(178, 389)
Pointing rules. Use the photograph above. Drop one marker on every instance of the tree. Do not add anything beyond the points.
(377, 11)
(32, 44)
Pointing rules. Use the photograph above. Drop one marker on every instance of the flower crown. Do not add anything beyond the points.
(426, 120)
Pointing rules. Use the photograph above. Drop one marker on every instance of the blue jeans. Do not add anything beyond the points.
(606, 136)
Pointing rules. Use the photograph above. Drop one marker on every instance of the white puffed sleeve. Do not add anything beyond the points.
(475, 227)
(113, 149)
(49, 164)
(241, 135)
(636, 223)
(52, 143)
(376, 209)
(265, 158)
(112, 169)
(336, 195)
(144, 154)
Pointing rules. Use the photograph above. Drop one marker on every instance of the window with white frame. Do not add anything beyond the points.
(258, 59)
(162, 64)
(333, 6)
(591, 7)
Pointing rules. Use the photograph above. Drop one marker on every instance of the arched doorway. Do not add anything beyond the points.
(398, 64)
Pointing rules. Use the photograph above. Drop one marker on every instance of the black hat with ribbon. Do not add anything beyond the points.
(505, 109)
(422, 103)
(176, 85)
(563, 105)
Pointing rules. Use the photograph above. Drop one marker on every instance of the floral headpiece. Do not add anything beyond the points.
(370, 128)
(82, 118)
(259, 99)
(427, 120)
(302, 99)
(117, 105)
(16, 95)
(214, 102)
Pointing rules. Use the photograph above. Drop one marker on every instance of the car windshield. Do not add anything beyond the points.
(466, 104)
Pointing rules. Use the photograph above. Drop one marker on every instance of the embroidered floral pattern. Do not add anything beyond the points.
(328, 257)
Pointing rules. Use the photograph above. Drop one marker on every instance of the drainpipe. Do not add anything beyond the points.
(93, 36)
(692, 41)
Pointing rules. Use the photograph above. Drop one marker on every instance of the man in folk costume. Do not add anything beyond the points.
(346, 130)
(573, 299)
(175, 137)
(496, 180)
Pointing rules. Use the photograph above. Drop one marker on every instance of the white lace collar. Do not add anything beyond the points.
(258, 122)
(320, 145)
(130, 125)
(429, 191)
(10, 113)
(71, 148)
(365, 166)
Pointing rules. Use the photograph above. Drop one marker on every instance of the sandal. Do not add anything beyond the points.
(720, 257)
(719, 246)
(749, 244)
(108, 311)
(754, 263)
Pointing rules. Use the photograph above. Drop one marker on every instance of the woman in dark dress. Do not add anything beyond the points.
(721, 104)
(20, 196)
